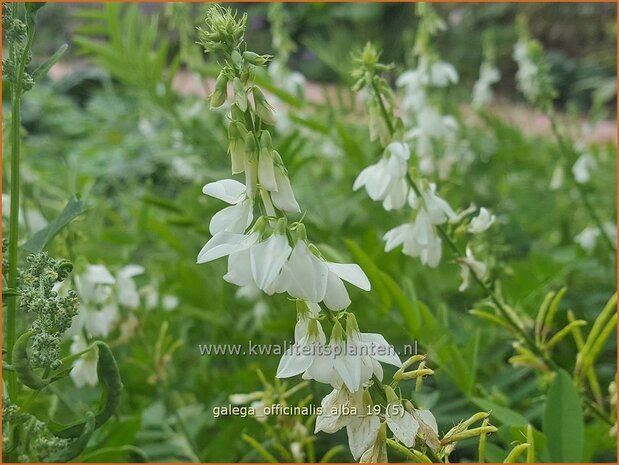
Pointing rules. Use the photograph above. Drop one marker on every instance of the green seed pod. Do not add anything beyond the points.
(111, 389)
(76, 447)
(21, 364)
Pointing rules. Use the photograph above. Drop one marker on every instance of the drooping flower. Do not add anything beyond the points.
(481, 222)
(237, 217)
(482, 90)
(583, 166)
(283, 198)
(442, 74)
(343, 408)
(84, 371)
(470, 264)
(99, 308)
(386, 180)
(127, 290)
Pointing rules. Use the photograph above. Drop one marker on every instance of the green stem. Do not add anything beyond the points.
(407, 453)
(565, 150)
(16, 93)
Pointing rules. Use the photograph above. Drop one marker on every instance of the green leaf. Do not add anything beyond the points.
(42, 70)
(563, 420)
(74, 208)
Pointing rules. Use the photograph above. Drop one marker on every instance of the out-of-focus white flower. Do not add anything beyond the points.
(587, 238)
(583, 166)
(237, 217)
(468, 264)
(442, 74)
(482, 90)
(386, 180)
(431, 126)
(99, 309)
(84, 371)
(418, 240)
(528, 74)
(169, 302)
(481, 222)
(126, 288)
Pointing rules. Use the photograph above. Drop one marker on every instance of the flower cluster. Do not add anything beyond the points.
(392, 182)
(52, 313)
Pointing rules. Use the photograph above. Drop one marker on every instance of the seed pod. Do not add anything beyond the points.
(22, 366)
(111, 389)
(76, 447)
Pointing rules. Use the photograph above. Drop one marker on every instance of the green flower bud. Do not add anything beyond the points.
(263, 109)
(236, 147)
(255, 59)
(240, 96)
(220, 94)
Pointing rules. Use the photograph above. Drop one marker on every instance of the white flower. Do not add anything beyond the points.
(267, 258)
(242, 399)
(418, 239)
(528, 75)
(468, 264)
(377, 453)
(127, 290)
(442, 74)
(239, 215)
(402, 424)
(336, 296)
(99, 310)
(437, 209)
(481, 222)
(587, 238)
(428, 429)
(583, 166)
(283, 198)
(225, 243)
(84, 371)
(482, 92)
(349, 360)
(304, 276)
(386, 180)
(169, 302)
(361, 428)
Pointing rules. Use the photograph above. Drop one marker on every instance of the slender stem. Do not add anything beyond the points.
(407, 453)
(565, 150)
(488, 290)
(16, 93)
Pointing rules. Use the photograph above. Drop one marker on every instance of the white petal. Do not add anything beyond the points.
(331, 420)
(336, 298)
(307, 274)
(293, 362)
(228, 190)
(266, 172)
(386, 354)
(230, 219)
(399, 149)
(352, 273)
(130, 271)
(349, 368)
(267, 259)
(362, 432)
(99, 274)
(223, 244)
(284, 198)
(404, 427)
(239, 268)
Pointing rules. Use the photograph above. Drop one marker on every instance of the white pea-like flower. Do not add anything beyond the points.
(84, 371)
(481, 222)
(470, 264)
(126, 288)
(238, 216)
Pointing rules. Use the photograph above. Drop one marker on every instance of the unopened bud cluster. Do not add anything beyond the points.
(52, 314)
